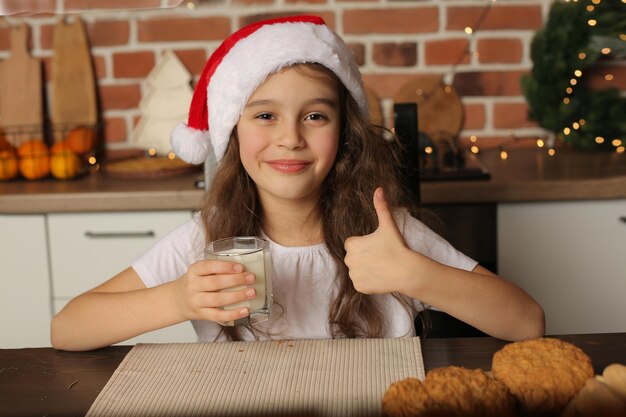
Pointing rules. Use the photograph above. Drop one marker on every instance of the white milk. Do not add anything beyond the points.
(255, 263)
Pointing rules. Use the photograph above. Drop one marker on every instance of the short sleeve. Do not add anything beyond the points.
(422, 239)
(170, 257)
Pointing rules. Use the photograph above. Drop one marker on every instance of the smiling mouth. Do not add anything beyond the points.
(288, 165)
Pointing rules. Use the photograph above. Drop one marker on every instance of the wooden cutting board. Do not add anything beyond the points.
(440, 111)
(20, 87)
(73, 99)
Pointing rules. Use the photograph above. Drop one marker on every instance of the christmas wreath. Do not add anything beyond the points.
(576, 37)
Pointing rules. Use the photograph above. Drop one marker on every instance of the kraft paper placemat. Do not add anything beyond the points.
(345, 377)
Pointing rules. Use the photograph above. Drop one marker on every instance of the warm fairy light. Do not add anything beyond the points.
(474, 149)
(598, 1)
(575, 125)
(469, 30)
(191, 5)
(476, 54)
(428, 150)
(582, 122)
(92, 160)
(578, 73)
(608, 77)
(620, 149)
(606, 51)
(616, 142)
(473, 138)
(503, 154)
(151, 151)
(419, 92)
(622, 36)
(573, 81)
(599, 139)
(171, 155)
(590, 8)
(569, 90)
(592, 22)
(582, 55)
(566, 100)
(551, 151)
(540, 143)
(567, 131)
(447, 89)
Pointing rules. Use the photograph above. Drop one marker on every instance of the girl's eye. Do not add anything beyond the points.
(264, 116)
(316, 116)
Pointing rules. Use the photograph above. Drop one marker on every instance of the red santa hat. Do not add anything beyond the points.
(242, 62)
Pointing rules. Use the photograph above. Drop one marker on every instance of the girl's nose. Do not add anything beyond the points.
(289, 135)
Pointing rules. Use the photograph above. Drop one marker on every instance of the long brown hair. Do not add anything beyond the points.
(367, 157)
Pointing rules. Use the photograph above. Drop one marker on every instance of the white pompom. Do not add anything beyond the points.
(190, 145)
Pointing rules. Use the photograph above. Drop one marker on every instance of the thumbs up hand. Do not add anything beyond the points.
(375, 260)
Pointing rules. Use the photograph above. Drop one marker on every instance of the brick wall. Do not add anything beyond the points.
(393, 40)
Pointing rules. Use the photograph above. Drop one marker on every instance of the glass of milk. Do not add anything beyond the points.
(253, 253)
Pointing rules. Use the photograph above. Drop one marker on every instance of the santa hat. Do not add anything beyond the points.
(242, 62)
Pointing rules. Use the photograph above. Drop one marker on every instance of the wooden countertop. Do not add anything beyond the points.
(527, 175)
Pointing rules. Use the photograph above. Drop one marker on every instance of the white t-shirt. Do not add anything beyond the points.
(303, 280)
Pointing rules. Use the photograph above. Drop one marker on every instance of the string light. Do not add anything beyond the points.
(608, 77)
(616, 142)
(474, 149)
(592, 22)
(152, 152)
(582, 56)
(599, 140)
(606, 51)
(578, 73)
(428, 150)
(620, 149)
(469, 30)
(171, 155)
(566, 131)
(551, 152)
(503, 154)
(540, 143)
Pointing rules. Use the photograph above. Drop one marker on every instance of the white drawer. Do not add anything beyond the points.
(86, 249)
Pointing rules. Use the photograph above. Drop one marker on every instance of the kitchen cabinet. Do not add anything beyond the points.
(25, 308)
(48, 259)
(570, 256)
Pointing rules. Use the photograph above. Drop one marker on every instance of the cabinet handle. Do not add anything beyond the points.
(105, 235)
(623, 219)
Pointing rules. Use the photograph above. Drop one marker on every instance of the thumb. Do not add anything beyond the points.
(385, 218)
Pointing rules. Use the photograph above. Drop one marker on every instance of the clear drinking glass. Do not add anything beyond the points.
(253, 253)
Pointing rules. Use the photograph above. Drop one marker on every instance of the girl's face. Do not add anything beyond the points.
(289, 134)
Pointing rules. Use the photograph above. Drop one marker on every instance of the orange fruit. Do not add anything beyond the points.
(32, 148)
(60, 147)
(64, 164)
(8, 165)
(34, 167)
(81, 139)
(4, 143)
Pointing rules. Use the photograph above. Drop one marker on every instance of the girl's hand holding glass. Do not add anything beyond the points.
(201, 295)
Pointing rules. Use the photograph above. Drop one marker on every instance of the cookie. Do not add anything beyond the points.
(543, 374)
(596, 399)
(449, 391)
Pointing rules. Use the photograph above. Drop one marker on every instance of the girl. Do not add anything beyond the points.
(281, 107)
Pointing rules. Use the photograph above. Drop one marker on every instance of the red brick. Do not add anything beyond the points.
(114, 97)
(386, 85)
(82, 5)
(193, 59)
(36, 9)
(328, 17)
(108, 33)
(5, 38)
(597, 81)
(115, 130)
(498, 17)
(395, 54)
(488, 83)
(474, 116)
(406, 20)
(499, 51)
(183, 29)
(133, 64)
(358, 49)
(447, 52)
(511, 116)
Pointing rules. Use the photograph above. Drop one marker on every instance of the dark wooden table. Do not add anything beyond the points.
(46, 382)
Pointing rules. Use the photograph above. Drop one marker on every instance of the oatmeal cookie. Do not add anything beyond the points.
(449, 391)
(543, 374)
